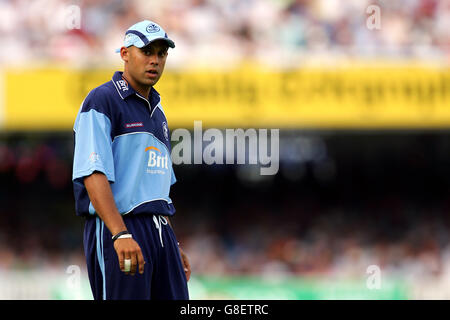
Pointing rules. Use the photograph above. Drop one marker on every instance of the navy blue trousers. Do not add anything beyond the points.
(163, 277)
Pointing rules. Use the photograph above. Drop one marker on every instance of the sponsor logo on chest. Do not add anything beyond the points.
(156, 161)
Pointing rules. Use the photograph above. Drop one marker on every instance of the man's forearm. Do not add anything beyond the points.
(100, 194)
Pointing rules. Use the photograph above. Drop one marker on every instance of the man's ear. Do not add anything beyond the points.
(124, 54)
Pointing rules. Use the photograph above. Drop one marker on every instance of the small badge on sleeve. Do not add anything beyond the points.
(165, 130)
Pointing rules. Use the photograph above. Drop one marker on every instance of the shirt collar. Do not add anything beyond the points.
(125, 90)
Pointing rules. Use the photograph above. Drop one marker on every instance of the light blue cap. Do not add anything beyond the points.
(143, 33)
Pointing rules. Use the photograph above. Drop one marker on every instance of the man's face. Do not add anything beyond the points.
(146, 65)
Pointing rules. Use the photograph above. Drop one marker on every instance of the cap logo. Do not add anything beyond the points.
(152, 28)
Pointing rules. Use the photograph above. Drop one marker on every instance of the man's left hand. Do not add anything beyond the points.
(186, 265)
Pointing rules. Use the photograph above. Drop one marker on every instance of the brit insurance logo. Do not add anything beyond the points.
(122, 84)
(156, 161)
(152, 28)
(165, 131)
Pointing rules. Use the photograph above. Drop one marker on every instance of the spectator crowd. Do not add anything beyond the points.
(296, 225)
(370, 212)
(223, 33)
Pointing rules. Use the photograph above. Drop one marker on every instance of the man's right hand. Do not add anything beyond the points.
(101, 196)
(129, 249)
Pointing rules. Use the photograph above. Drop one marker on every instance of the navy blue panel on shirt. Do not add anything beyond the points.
(125, 136)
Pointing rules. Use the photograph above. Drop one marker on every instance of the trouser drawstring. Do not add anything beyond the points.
(159, 221)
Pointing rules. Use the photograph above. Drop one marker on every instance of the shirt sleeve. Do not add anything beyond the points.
(93, 145)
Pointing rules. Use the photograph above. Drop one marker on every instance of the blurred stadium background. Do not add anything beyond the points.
(363, 114)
